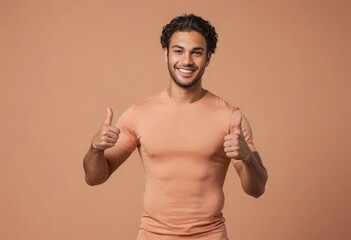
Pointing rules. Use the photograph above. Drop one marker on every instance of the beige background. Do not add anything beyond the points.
(285, 63)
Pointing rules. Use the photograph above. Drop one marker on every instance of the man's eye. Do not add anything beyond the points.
(178, 51)
(197, 53)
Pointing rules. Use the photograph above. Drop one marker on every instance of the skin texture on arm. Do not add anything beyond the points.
(103, 157)
(253, 175)
(96, 167)
(248, 164)
(99, 165)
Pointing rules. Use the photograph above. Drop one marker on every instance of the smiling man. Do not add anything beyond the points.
(186, 137)
(192, 67)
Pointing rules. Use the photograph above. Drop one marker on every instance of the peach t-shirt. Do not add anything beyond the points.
(181, 148)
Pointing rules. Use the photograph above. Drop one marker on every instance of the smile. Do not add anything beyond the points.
(186, 71)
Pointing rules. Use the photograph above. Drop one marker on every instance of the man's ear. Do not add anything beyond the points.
(165, 55)
(208, 59)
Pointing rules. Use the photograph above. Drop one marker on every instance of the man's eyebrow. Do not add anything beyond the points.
(177, 46)
(194, 49)
(199, 48)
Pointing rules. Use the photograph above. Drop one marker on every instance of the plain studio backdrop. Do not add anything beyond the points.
(286, 64)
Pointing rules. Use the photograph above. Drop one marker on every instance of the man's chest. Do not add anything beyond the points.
(199, 133)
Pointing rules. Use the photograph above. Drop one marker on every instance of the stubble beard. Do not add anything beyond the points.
(173, 69)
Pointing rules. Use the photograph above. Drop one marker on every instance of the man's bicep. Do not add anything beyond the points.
(115, 157)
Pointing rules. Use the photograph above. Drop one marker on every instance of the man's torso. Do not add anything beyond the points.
(181, 148)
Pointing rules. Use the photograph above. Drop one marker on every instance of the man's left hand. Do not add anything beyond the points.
(235, 145)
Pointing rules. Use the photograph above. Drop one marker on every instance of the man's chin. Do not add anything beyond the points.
(186, 85)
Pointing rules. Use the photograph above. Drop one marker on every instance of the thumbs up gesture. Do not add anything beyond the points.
(107, 135)
(235, 145)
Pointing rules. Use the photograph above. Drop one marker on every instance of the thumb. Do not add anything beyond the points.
(109, 116)
(237, 125)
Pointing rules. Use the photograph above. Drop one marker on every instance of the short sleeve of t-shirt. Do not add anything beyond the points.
(245, 127)
(127, 140)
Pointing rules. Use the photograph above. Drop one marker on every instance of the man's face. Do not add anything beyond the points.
(187, 58)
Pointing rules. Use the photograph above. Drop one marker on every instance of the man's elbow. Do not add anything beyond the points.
(258, 193)
(95, 182)
(260, 188)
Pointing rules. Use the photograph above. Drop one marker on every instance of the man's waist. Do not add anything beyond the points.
(186, 225)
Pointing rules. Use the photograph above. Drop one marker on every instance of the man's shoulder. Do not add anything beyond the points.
(147, 103)
(218, 101)
(142, 105)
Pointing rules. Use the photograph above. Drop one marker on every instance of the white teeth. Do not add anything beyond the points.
(185, 70)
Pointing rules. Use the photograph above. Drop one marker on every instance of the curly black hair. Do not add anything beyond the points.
(190, 22)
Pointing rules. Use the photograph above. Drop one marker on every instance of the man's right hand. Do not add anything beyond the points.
(107, 136)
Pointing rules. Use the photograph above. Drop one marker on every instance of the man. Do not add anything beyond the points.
(187, 137)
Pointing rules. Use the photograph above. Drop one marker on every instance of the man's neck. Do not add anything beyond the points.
(185, 95)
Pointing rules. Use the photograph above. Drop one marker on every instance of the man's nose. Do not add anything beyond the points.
(187, 59)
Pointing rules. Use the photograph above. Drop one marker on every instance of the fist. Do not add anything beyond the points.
(107, 135)
(235, 145)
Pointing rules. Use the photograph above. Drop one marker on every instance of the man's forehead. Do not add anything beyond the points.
(186, 39)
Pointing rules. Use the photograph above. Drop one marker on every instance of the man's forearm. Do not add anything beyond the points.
(96, 167)
(253, 175)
